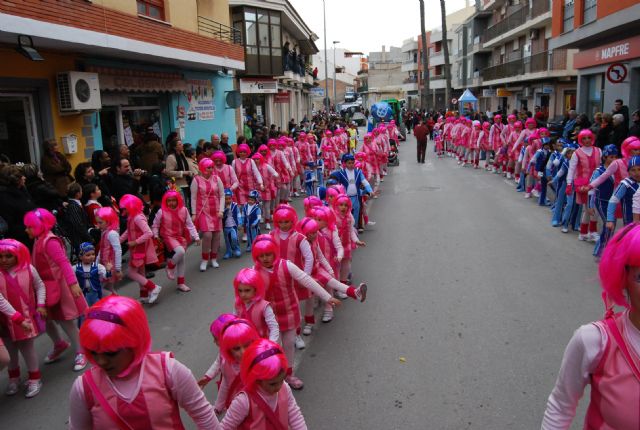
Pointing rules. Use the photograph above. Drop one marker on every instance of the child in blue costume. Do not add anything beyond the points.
(560, 183)
(251, 215)
(230, 223)
(539, 162)
(599, 196)
(624, 195)
(310, 178)
(90, 274)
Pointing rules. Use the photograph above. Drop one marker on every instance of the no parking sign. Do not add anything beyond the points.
(616, 73)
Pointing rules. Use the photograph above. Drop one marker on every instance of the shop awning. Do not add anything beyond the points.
(114, 79)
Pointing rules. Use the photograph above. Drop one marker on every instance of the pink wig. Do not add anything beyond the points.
(217, 155)
(234, 333)
(172, 194)
(333, 193)
(328, 133)
(114, 323)
(263, 360)
(497, 118)
(258, 157)
(342, 198)
(530, 121)
(281, 143)
(205, 163)
(263, 148)
(486, 125)
(622, 251)
(368, 137)
(243, 147)
(511, 118)
(216, 326)
(544, 132)
(285, 213)
(583, 134)
(252, 278)
(17, 249)
(339, 188)
(325, 214)
(361, 156)
(272, 143)
(132, 204)
(109, 216)
(518, 125)
(630, 144)
(307, 226)
(311, 202)
(40, 220)
(263, 244)
(376, 131)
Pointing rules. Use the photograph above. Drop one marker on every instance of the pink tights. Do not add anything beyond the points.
(289, 346)
(210, 244)
(345, 269)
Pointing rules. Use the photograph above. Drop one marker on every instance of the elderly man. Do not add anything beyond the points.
(620, 130)
(226, 148)
(570, 125)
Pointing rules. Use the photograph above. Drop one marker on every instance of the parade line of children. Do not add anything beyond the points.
(304, 261)
(587, 183)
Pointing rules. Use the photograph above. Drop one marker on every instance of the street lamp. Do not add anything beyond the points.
(326, 70)
(335, 98)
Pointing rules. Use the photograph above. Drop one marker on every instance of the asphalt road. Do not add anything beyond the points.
(472, 298)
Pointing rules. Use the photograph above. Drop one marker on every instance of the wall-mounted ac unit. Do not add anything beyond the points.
(534, 34)
(78, 91)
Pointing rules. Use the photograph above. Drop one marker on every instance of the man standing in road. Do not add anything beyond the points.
(421, 132)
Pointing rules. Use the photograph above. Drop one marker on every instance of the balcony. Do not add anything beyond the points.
(409, 46)
(409, 66)
(219, 31)
(522, 17)
(436, 59)
(541, 63)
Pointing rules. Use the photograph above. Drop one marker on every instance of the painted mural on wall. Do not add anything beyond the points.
(199, 95)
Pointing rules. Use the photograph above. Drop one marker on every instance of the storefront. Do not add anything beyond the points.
(256, 98)
(607, 73)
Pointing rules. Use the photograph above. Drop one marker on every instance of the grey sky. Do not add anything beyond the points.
(366, 25)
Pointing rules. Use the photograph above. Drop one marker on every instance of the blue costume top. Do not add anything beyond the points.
(555, 159)
(251, 218)
(343, 178)
(232, 211)
(561, 177)
(623, 195)
(602, 193)
(539, 159)
(92, 276)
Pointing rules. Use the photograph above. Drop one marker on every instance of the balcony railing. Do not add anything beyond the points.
(533, 64)
(517, 18)
(219, 31)
(436, 77)
(410, 80)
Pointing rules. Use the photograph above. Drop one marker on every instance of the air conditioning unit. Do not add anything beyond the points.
(78, 91)
(534, 34)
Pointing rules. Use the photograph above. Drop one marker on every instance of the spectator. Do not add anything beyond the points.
(620, 130)
(570, 125)
(603, 137)
(582, 122)
(226, 148)
(74, 221)
(206, 151)
(85, 174)
(101, 163)
(421, 131)
(178, 166)
(55, 167)
(42, 193)
(635, 124)
(215, 141)
(150, 152)
(123, 180)
(16, 202)
(619, 107)
(597, 122)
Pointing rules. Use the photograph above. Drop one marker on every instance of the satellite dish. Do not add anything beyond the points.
(233, 99)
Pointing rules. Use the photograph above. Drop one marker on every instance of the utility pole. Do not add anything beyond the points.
(327, 102)
(335, 97)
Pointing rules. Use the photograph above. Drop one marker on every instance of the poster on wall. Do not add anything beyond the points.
(200, 97)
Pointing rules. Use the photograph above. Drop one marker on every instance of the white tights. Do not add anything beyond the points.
(27, 350)
(211, 243)
(178, 260)
(70, 327)
(289, 346)
(345, 269)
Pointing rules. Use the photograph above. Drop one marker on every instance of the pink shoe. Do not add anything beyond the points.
(56, 352)
(183, 288)
(294, 382)
(171, 272)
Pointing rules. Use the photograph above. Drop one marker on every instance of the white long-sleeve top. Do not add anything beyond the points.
(581, 358)
(305, 281)
(337, 243)
(182, 387)
(254, 170)
(114, 240)
(239, 409)
(194, 194)
(322, 260)
(234, 178)
(38, 286)
(214, 370)
(270, 320)
(613, 168)
(305, 249)
(157, 222)
(573, 164)
(271, 170)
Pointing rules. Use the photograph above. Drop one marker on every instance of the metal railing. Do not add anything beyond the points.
(219, 31)
(436, 77)
(517, 18)
(410, 80)
(531, 64)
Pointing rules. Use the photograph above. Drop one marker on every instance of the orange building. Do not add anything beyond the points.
(607, 34)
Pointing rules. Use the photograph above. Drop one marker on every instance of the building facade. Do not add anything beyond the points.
(384, 76)
(279, 46)
(607, 37)
(111, 69)
(410, 67)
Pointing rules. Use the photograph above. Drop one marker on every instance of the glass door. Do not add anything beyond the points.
(18, 136)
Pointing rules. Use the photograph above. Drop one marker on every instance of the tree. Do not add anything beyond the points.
(445, 46)
(424, 91)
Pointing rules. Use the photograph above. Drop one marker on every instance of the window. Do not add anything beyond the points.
(590, 10)
(151, 8)
(568, 16)
(263, 40)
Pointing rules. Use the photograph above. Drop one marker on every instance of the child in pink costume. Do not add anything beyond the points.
(128, 386)
(618, 168)
(64, 299)
(372, 161)
(216, 331)
(285, 171)
(266, 401)
(532, 145)
(485, 145)
(513, 169)
(235, 338)
(139, 237)
(174, 227)
(496, 143)
(280, 277)
(249, 177)
(225, 172)
(473, 152)
(348, 235)
(22, 303)
(110, 250)
(251, 305)
(323, 272)
(605, 353)
(581, 166)
(268, 192)
(207, 197)
(328, 236)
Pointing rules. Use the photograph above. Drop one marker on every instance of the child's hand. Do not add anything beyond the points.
(334, 302)
(202, 382)
(132, 244)
(197, 242)
(42, 311)
(360, 243)
(26, 325)
(108, 266)
(193, 218)
(76, 291)
(220, 215)
(611, 225)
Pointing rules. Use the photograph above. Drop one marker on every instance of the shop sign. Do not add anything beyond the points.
(614, 52)
(141, 83)
(547, 89)
(282, 97)
(200, 98)
(489, 92)
(317, 92)
(503, 92)
(258, 86)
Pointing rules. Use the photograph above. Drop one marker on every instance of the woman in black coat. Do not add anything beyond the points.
(16, 202)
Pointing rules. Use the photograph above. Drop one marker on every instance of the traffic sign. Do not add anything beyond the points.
(616, 73)
(454, 101)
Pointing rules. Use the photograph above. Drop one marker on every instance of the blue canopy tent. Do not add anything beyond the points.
(468, 102)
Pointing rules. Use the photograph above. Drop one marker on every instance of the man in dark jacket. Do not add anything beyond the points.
(634, 130)
(421, 132)
(16, 202)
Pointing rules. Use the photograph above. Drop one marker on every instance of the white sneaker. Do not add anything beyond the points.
(535, 193)
(296, 194)
(565, 230)
(203, 265)
(527, 195)
(267, 226)
(144, 300)
(341, 295)
(583, 237)
(594, 237)
(371, 223)
(12, 387)
(244, 237)
(327, 315)
(33, 388)
(153, 294)
(307, 329)
(214, 264)
(300, 343)
(80, 362)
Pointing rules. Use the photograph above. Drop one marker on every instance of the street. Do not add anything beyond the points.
(472, 299)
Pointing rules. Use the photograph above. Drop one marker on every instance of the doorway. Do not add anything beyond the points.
(18, 136)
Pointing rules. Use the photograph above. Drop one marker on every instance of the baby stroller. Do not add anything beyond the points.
(392, 156)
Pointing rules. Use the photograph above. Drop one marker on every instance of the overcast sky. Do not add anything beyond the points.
(361, 26)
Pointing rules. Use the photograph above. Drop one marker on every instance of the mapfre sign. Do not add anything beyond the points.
(258, 86)
(612, 53)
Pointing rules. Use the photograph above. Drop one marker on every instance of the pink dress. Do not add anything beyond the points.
(173, 228)
(290, 250)
(138, 231)
(228, 176)
(207, 203)
(586, 165)
(281, 294)
(19, 292)
(247, 179)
